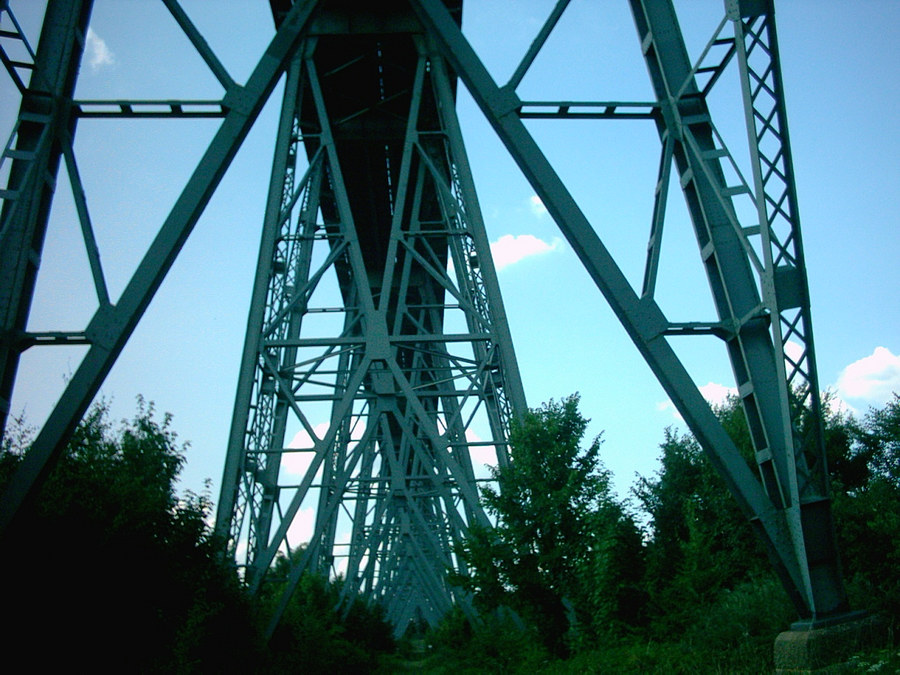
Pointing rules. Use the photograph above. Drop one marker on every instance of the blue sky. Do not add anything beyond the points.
(840, 68)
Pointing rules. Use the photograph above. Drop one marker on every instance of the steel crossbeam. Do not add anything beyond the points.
(377, 354)
(787, 523)
(419, 361)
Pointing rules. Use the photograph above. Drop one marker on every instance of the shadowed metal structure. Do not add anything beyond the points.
(406, 365)
(377, 356)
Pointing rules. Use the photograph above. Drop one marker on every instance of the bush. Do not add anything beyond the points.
(498, 643)
(114, 568)
(317, 635)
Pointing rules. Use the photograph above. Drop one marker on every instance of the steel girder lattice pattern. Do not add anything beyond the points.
(378, 370)
(379, 365)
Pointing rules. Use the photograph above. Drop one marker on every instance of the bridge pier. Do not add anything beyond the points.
(371, 191)
(826, 647)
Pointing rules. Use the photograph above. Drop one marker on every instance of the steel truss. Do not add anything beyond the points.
(761, 298)
(404, 367)
(112, 323)
(385, 345)
(41, 137)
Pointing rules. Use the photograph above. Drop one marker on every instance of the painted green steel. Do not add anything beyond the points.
(372, 194)
(42, 130)
(112, 325)
(796, 528)
(786, 291)
(377, 337)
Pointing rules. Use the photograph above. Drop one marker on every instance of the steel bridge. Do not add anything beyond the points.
(376, 324)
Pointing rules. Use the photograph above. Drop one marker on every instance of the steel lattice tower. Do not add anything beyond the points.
(376, 328)
(404, 358)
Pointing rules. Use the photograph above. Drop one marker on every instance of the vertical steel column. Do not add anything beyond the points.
(112, 324)
(685, 119)
(786, 290)
(793, 528)
(44, 125)
(272, 276)
(388, 349)
(757, 356)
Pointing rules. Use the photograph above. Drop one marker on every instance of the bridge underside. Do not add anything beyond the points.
(377, 360)
(414, 373)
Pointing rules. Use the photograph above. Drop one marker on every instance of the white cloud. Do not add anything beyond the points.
(662, 406)
(668, 406)
(98, 53)
(717, 394)
(537, 206)
(510, 249)
(838, 406)
(714, 393)
(482, 455)
(793, 351)
(302, 438)
(872, 379)
(301, 528)
(296, 463)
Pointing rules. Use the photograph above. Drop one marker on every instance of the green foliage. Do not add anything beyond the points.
(878, 437)
(867, 513)
(320, 634)
(702, 554)
(498, 644)
(706, 598)
(117, 569)
(560, 537)
(733, 634)
(876, 661)
(613, 593)
(701, 543)
(123, 573)
(310, 635)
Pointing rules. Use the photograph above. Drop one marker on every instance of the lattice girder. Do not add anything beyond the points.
(421, 365)
(795, 528)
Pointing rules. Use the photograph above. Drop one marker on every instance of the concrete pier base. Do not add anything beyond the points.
(825, 649)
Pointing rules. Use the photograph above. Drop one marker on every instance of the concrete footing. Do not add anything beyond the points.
(824, 650)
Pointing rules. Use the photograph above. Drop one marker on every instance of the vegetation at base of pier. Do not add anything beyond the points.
(113, 570)
(113, 567)
(671, 580)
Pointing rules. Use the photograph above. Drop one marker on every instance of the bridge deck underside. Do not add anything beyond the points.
(366, 67)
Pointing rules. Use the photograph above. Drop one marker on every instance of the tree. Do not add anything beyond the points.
(559, 529)
(701, 545)
(319, 631)
(114, 567)
(878, 438)
(867, 507)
